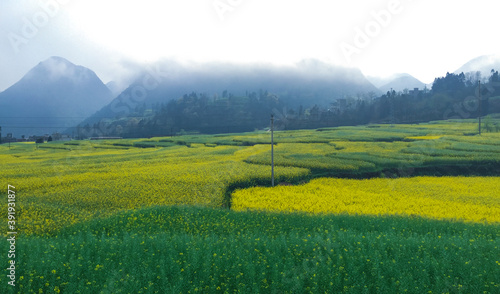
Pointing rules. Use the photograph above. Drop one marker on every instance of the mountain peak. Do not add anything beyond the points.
(397, 82)
(483, 64)
(57, 59)
(402, 82)
(53, 89)
(57, 67)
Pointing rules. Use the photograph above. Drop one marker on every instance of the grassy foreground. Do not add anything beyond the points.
(201, 250)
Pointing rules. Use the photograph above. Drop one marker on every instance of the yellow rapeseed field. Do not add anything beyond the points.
(63, 183)
(471, 199)
(58, 188)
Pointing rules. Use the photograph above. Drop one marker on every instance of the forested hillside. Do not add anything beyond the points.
(452, 96)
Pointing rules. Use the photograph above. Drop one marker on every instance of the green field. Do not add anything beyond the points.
(188, 250)
(154, 215)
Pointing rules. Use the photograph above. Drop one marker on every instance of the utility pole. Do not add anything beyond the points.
(392, 109)
(272, 150)
(480, 107)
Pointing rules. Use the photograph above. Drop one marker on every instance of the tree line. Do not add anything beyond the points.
(451, 96)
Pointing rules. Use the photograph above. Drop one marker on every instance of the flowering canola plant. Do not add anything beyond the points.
(470, 199)
(60, 188)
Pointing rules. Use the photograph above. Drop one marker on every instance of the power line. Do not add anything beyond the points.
(65, 117)
(37, 127)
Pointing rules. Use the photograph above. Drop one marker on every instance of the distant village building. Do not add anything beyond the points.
(9, 138)
(60, 137)
(23, 139)
(415, 92)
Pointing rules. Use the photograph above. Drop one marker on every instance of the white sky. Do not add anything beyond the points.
(113, 37)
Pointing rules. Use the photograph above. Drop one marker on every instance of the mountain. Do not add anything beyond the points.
(306, 83)
(483, 64)
(401, 82)
(114, 88)
(52, 96)
(380, 81)
(397, 82)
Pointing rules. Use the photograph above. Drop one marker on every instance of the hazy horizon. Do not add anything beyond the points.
(116, 38)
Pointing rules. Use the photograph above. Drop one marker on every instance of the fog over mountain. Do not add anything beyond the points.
(57, 95)
(52, 96)
(483, 64)
(306, 83)
(115, 88)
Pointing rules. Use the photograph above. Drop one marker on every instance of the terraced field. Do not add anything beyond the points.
(378, 208)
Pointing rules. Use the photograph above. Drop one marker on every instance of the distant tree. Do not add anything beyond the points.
(451, 83)
(471, 78)
(314, 113)
(119, 130)
(494, 78)
(371, 95)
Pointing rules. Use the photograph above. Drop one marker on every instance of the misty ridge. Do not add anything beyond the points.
(170, 96)
(321, 82)
(305, 84)
(311, 94)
